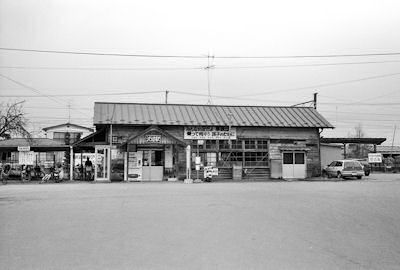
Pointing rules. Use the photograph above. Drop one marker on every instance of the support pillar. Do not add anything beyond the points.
(188, 179)
(71, 163)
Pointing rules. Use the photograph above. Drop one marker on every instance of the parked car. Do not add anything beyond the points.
(365, 165)
(343, 169)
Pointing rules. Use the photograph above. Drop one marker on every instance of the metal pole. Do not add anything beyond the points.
(166, 96)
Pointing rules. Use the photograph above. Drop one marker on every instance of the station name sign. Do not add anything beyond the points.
(209, 133)
(153, 138)
(24, 148)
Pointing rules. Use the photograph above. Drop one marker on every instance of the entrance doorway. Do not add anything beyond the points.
(153, 165)
(101, 169)
(293, 165)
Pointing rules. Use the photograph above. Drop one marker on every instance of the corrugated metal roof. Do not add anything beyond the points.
(385, 149)
(207, 115)
(33, 142)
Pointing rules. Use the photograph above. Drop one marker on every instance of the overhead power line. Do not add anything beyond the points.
(102, 68)
(30, 88)
(194, 68)
(88, 94)
(316, 86)
(199, 56)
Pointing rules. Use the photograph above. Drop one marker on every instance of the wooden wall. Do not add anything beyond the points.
(278, 137)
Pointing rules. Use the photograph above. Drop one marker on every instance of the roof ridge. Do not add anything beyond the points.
(205, 105)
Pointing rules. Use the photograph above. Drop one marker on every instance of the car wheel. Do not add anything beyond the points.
(359, 177)
(339, 175)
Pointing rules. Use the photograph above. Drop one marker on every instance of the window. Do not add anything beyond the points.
(256, 159)
(207, 159)
(223, 144)
(287, 158)
(211, 144)
(262, 144)
(60, 136)
(250, 144)
(211, 159)
(299, 158)
(237, 144)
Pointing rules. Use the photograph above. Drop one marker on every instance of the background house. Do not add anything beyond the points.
(67, 133)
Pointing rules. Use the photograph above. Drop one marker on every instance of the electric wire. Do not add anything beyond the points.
(322, 85)
(200, 56)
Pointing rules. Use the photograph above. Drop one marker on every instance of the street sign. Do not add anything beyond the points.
(375, 158)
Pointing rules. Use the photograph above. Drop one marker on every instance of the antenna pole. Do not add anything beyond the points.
(69, 111)
(208, 78)
(315, 100)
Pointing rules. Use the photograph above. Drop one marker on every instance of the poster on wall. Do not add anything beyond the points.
(209, 133)
(135, 166)
(26, 157)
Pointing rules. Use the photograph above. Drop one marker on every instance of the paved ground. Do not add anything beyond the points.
(263, 225)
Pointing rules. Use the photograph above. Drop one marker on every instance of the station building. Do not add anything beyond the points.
(155, 142)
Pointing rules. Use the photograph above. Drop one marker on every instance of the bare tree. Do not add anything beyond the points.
(357, 150)
(12, 120)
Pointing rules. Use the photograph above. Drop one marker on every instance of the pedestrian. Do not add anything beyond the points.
(88, 169)
(5, 172)
(28, 172)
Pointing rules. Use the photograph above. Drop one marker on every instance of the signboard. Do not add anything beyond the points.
(209, 133)
(375, 158)
(209, 171)
(24, 148)
(153, 138)
(26, 157)
(197, 160)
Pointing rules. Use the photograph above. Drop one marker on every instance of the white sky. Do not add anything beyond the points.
(220, 28)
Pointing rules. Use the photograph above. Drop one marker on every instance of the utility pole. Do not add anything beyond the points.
(315, 100)
(166, 96)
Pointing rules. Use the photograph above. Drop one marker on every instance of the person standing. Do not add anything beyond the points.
(88, 169)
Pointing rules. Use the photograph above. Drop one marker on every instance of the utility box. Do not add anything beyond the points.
(237, 172)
